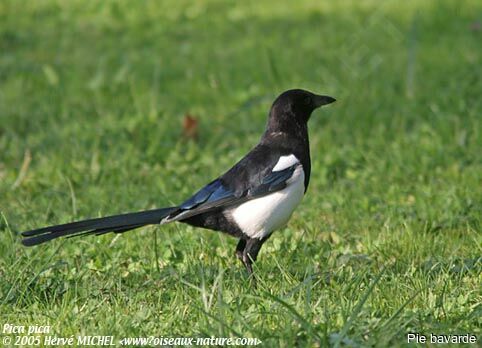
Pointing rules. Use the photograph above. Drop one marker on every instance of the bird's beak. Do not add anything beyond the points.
(323, 100)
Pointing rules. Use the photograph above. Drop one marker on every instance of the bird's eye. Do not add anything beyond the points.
(307, 101)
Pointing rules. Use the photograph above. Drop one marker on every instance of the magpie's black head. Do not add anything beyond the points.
(294, 108)
(300, 103)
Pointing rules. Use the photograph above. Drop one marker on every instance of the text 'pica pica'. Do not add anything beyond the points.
(249, 201)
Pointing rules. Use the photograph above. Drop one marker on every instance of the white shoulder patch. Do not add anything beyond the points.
(285, 162)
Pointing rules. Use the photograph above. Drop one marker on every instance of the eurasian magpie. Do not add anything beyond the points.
(251, 200)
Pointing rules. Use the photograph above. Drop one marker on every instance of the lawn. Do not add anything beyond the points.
(387, 241)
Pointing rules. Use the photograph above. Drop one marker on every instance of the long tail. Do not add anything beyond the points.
(117, 223)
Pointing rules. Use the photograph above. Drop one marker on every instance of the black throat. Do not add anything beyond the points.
(288, 134)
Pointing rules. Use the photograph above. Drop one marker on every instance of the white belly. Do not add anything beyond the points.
(261, 216)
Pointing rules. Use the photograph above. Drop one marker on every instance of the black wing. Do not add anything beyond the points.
(217, 194)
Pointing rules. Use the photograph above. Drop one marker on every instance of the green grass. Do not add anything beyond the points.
(387, 240)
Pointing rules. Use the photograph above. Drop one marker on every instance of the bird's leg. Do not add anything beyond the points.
(250, 252)
(240, 248)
